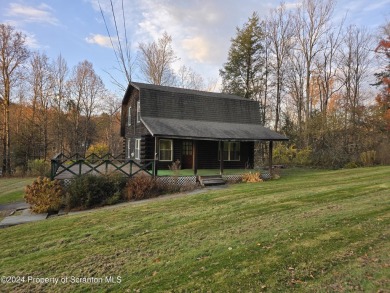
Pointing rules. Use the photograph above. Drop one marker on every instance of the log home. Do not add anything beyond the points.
(203, 130)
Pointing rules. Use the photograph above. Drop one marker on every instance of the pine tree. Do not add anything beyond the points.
(243, 71)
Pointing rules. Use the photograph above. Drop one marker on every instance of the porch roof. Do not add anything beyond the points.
(209, 130)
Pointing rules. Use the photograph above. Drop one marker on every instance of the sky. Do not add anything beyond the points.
(201, 29)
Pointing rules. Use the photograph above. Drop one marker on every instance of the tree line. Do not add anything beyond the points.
(309, 73)
(47, 108)
(311, 77)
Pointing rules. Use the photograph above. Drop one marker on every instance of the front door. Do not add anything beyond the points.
(186, 160)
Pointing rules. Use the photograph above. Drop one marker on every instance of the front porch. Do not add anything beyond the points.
(207, 172)
(188, 157)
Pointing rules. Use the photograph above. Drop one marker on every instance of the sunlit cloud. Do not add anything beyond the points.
(197, 48)
(98, 39)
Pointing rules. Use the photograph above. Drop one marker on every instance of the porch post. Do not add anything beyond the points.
(221, 157)
(195, 156)
(155, 158)
(270, 157)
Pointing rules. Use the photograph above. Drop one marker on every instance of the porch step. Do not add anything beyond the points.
(211, 180)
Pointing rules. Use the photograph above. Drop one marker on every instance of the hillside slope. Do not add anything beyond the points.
(311, 230)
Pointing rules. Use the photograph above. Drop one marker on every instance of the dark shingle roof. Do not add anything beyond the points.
(176, 103)
(177, 112)
(209, 130)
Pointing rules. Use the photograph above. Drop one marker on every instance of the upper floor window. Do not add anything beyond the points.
(129, 116)
(138, 112)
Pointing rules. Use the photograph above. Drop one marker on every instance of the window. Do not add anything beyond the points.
(129, 116)
(187, 148)
(138, 112)
(137, 148)
(231, 151)
(166, 149)
(129, 148)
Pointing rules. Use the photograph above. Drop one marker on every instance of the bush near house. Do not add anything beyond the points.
(142, 187)
(89, 191)
(251, 177)
(44, 195)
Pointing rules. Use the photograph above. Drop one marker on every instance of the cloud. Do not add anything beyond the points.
(198, 48)
(103, 41)
(40, 14)
(32, 42)
(201, 30)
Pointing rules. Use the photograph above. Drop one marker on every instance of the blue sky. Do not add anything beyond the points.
(201, 29)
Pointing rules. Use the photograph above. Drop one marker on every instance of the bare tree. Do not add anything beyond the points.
(156, 59)
(186, 77)
(41, 90)
(87, 90)
(326, 67)
(60, 95)
(280, 34)
(13, 54)
(355, 60)
(295, 81)
(311, 24)
(112, 105)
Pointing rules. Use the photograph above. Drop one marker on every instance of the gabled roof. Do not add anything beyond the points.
(177, 112)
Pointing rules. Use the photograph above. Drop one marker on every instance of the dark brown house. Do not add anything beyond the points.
(166, 124)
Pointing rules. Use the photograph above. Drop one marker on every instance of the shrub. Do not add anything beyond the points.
(89, 191)
(351, 165)
(251, 177)
(38, 167)
(142, 187)
(368, 158)
(44, 195)
(99, 149)
(284, 155)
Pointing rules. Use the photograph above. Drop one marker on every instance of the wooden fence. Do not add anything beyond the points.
(67, 167)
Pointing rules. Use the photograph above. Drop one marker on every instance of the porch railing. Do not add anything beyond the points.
(66, 167)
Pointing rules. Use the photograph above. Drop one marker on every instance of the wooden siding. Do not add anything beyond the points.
(207, 150)
(136, 130)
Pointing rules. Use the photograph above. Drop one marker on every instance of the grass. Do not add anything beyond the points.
(311, 231)
(12, 189)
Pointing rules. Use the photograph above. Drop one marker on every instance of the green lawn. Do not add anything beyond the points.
(310, 231)
(12, 189)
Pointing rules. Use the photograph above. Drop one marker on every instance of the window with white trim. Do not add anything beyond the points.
(138, 112)
(129, 148)
(129, 117)
(231, 151)
(137, 148)
(166, 149)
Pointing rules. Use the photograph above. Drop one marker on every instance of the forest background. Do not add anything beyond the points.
(323, 84)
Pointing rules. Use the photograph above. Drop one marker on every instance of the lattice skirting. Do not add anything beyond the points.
(265, 175)
(232, 178)
(65, 182)
(180, 180)
(238, 178)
